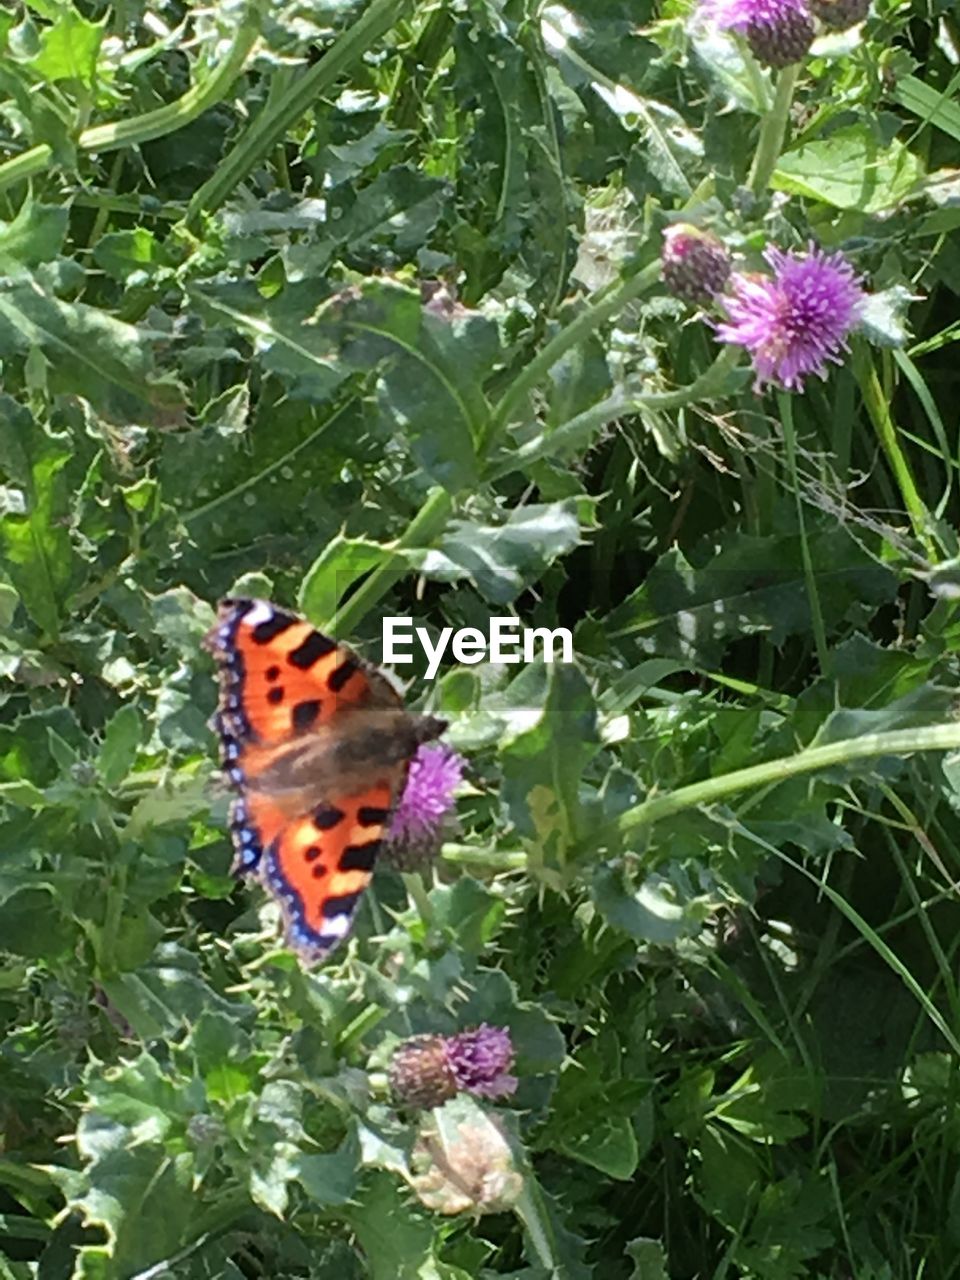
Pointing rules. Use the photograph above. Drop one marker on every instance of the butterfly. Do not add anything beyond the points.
(316, 745)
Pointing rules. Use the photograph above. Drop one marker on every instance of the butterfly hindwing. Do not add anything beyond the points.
(321, 863)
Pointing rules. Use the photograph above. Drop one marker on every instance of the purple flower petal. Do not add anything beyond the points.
(479, 1060)
(798, 320)
(435, 773)
(739, 15)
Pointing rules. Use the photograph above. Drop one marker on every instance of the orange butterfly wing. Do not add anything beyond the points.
(281, 681)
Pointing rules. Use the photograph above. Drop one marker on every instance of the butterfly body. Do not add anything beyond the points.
(316, 744)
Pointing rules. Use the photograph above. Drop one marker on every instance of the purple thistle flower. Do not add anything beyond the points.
(480, 1061)
(778, 32)
(796, 321)
(426, 1071)
(435, 773)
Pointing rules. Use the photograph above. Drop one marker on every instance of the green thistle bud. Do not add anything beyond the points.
(839, 15)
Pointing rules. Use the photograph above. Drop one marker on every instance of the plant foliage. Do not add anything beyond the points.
(358, 307)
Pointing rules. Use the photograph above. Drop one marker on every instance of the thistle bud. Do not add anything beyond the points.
(419, 1073)
(839, 15)
(695, 263)
(781, 43)
(779, 32)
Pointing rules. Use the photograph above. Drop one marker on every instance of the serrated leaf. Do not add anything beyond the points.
(117, 1183)
(69, 49)
(501, 560)
(91, 353)
(656, 910)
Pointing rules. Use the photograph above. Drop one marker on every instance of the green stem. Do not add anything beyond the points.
(495, 860)
(607, 304)
(427, 524)
(773, 130)
(577, 434)
(898, 742)
(151, 124)
(809, 577)
(878, 409)
(266, 131)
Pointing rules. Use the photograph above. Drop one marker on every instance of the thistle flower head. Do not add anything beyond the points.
(435, 773)
(797, 320)
(779, 32)
(695, 264)
(425, 1071)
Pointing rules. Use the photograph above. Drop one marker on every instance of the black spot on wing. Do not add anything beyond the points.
(304, 714)
(341, 905)
(272, 673)
(360, 857)
(275, 695)
(272, 627)
(311, 650)
(369, 815)
(327, 816)
(339, 677)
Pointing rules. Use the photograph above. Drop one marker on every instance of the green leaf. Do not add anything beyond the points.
(593, 1107)
(121, 742)
(35, 235)
(543, 765)
(502, 559)
(851, 169)
(426, 394)
(69, 49)
(397, 211)
(37, 550)
(339, 565)
(91, 354)
(649, 1259)
(693, 611)
(330, 1179)
(33, 924)
(125, 253)
(396, 1239)
(142, 1197)
(661, 909)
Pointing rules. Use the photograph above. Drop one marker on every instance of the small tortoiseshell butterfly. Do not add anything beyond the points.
(316, 744)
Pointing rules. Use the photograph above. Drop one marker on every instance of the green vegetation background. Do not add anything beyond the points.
(358, 308)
